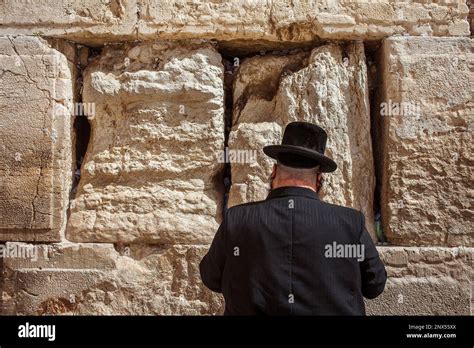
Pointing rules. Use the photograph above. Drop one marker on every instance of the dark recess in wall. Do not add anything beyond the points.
(229, 73)
(372, 50)
(2, 282)
(82, 130)
(470, 17)
(81, 125)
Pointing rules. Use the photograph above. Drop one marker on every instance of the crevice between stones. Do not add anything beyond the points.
(470, 16)
(229, 69)
(372, 53)
(2, 282)
(81, 128)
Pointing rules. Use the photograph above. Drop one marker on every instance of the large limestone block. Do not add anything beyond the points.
(427, 117)
(426, 296)
(96, 279)
(36, 104)
(86, 21)
(151, 172)
(46, 278)
(425, 281)
(299, 21)
(327, 86)
(156, 280)
(264, 22)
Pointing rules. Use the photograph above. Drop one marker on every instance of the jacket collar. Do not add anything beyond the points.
(292, 191)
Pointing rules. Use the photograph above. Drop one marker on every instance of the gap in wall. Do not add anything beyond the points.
(374, 78)
(2, 281)
(82, 131)
(229, 74)
(81, 127)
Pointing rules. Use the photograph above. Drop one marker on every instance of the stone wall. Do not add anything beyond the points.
(425, 280)
(36, 100)
(150, 170)
(326, 86)
(116, 220)
(277, 21)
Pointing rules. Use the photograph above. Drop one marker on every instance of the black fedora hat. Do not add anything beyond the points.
(303, 146)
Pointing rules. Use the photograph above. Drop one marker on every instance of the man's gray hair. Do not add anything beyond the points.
(306, 174)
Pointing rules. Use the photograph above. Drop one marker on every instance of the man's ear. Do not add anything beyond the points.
(319, 181)
(274, 171)
(273, 176)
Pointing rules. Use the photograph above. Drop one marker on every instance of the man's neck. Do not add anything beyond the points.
(293, 182)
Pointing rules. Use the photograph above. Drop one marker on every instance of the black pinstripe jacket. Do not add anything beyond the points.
(293, 254)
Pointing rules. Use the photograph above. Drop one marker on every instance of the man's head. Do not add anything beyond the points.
(300, 157)
(283, 175)
(303, 146)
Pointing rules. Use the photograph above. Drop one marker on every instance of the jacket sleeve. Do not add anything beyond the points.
(373, 274)
(212, 265)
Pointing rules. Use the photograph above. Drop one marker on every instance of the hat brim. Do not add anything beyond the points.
(326, 164)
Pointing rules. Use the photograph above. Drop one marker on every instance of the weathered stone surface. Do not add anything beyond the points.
(152, 179)
(328, 87)
(162, 280)
(252, 21)
(425, 281)
(36, 104)
(96, 279)
(151, 172)
(425, 296)
(85, 21)
(427, 141)
(307, 20)
(63, 255)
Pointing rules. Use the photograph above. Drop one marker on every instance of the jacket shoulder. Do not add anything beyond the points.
(341, 210)
(325, 205)
(243, 206)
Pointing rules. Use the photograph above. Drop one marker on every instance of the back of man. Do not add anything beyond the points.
(293, 254)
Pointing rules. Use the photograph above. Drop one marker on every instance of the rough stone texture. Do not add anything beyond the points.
(327, 86)
(284, 20)
(91, 21)
(96, 279)
(425, 281)
(36, 104)
(150, 194)
(151, 172)
(85, 21)
(428, 152)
